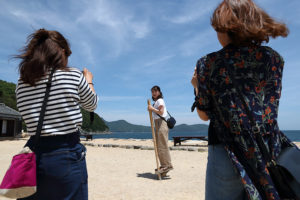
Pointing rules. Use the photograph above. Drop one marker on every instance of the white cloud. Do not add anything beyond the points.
(40, 18)
(193, 10)
(114, 22)
(158, 60)
(109, 21)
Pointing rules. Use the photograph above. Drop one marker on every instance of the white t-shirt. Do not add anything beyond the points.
(158, 103)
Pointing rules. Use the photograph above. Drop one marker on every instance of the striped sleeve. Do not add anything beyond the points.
(88, 99)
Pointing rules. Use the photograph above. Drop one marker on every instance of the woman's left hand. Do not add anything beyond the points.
(194, 80)
(150, 108)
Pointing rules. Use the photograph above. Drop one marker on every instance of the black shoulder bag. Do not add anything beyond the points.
(280, 176)
(170, 121)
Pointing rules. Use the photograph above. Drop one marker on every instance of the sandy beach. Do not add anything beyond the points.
(123, 170)
(120, 173)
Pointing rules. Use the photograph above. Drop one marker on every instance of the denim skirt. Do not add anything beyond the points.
(222, 180)
(61, 168)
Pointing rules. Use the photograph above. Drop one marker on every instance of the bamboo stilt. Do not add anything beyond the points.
(154, 140)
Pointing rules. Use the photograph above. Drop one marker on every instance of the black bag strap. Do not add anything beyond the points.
(92, 116)
(43, 109)
(163, 117)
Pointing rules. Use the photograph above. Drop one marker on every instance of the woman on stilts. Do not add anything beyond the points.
(159, 111)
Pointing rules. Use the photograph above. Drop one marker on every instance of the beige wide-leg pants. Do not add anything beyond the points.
(161, 134)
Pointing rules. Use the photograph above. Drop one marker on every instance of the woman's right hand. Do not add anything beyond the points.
(88, 75)
(194, 81)
(150, 108)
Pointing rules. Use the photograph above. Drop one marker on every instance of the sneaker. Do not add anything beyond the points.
(165, 169)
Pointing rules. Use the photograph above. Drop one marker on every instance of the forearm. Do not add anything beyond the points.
(160, 112)
(91, 86)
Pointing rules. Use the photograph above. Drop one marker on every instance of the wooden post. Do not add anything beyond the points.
(154, 141)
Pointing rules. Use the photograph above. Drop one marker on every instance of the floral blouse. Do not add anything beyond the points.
(257, 71)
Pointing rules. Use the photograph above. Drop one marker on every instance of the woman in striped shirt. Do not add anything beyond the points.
(61, 165)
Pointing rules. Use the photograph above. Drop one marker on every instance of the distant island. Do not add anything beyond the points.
(124, 126)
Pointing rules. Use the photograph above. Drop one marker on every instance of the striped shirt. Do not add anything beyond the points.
(69, 91)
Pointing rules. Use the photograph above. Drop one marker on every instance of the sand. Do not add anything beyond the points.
(128, 174)
(118, 173)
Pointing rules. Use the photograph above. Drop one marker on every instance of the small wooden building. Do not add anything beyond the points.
(10, 121)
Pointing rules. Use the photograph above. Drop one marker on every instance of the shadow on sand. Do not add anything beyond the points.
(151, 176)
(11, 138)
(7, 138)
(192, 145)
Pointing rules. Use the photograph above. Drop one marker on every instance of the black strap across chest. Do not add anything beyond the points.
(43, 109)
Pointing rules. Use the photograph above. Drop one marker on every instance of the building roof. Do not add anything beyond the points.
(7, 112)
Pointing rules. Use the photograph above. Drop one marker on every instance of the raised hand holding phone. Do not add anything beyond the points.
(89, 78)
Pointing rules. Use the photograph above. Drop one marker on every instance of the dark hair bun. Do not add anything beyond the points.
(41, 35)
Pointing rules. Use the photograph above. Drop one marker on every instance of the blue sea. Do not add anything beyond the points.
(292, 135)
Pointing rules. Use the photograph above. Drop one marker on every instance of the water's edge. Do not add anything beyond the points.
(293, 135)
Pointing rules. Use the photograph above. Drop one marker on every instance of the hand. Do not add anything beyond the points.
(194, 80)
(150, 108)
(88, 75)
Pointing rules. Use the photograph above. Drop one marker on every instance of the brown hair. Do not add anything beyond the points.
(157, 88)
(45, 50)
(246, 23)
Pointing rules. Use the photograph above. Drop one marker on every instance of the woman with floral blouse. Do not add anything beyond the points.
(236, 168)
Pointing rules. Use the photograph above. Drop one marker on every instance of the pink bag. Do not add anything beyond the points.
(20, 179)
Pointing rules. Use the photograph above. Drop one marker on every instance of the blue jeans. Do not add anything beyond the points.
(222, 180)
(61, 168)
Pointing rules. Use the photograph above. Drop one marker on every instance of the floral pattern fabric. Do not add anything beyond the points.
(258, 72)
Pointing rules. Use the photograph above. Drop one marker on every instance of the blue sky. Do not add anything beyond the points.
(131, 45)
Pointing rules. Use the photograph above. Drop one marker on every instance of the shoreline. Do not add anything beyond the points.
(95, 133)
(145, 144)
